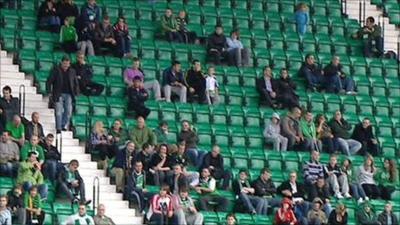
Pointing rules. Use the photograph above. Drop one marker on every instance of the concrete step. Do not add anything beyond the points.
(78, 156)
(73, 149)
(116, 205)
(14, 75)
(91, 172)
(70, 142)
(88, 180)
(123, 220)
(106, 196)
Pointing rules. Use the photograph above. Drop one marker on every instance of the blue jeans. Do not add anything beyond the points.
(42, 189)
(349, 146)
(301, 211)
(9, 169)
(50, 169)
(123, 45)
(301, 28)
(252, 203)
(313, 80)
(347, 84)
(332, 84)
(63, 111)
(195, 156)
(357, 191)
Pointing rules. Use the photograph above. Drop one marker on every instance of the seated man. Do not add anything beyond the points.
(52, 156)
(9, 104)
(341, 130)
(237, 54)
(169, 27)
(372, 37)
(84, 73)
(17, 130)
(311, 72)
(265, 188)
(214, 162)
(286, 90)
(186, 212)
(137, 95)
(33, 205)
(266, 89)
(71, 183)
(366, 215)
(363, 133)
(136, 186)
(321, 190)
(313, 170)
(290, 128)
(32, 146)
(34, 128)
(5, 214)
(141, 134)
(104, 37)
(335, 80)
(216, 45)
(196, 82)
(16, 204)
(207, 189)
(181, 178)
(100, 218)
(81, 217)
(9, 156)
(309, 132)
(136, 71)
(174, 82)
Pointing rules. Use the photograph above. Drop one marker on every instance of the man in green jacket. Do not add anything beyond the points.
(29, 174)
(371, 34)
(32, 146)
(141, 134)
(341, 131)
(309, 131)
(169, 27)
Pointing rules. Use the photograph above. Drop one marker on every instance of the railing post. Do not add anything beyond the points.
(59, 143)
(22, 100)
(96, 190)
(398, 54)
(343, 7)
(381, 23)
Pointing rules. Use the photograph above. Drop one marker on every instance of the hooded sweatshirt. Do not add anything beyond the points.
(366, 218)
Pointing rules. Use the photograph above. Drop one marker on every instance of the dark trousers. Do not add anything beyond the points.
(369, 147)
(173, 37)
(137, 194)
(106, 150)
(92, 89)
(369, 45)
(221, 203)
(123, 46)
(73, 192)
(141, 110)
(159, 219)
(222, 174)
(51, 167)
(329, 145)
(215, 56)
(69, 46)
(200, 94)
(39, 218)
(288, 100)
(386, 191)
(188, 37)
(371, 190)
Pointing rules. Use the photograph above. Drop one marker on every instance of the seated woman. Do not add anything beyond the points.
(47, 16)
(101, 142)
(324, 133)
(388, 178)
(366, 178)
(33, 205)
(161, 207)
(160, 165)
(118, 134)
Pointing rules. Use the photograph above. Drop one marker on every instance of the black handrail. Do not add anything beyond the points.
(96, 189)
(88, 122)
(343, 7)
(21, 99)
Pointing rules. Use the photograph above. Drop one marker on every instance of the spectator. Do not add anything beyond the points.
(16, 204)
(142, 134)
(214, 162)
(181, 24)
(313, 170)
(290, 128)
(71, 183)
(62, 85)
(84, 73)
(104, 37)
(265, 188)
(52, 161)
(312, 73)
(47, 16)
(212, 87)
(178, 180)
(230, 219)
(366, 215)
(136, 186)
(90, 13)
(169, 27)
(29, 175)
(86, 32)
(101, 218)
(100, 143)
(372, 37)
(122, 37)
(9, 156)
(5, 214)
(34, 127)
(118, 134)
(356, 189)
(309, 132)
(3, 119)
(178, 154)
(246, 195)
(189, 136)
(266, 87)
(336, 178)
(123, 165)
(338, 216)
(324, 134)
(187, 213)
(196, 82)
(174, 81)
(388, 178)
(79, 218)
(294, 190)
(285, 89)
(272, 134)
(161, 209)
(216, 45)
(145, 156)
(320, 190)
(160, 167)
(32, 146)
(16, 130)
(335, 80)
(387, 216)
(363, 133)
(9, 104)
(208, 191)
(68, 36)
(136, 71)
(285, 215)
(162, 132)
(237, 54)
(33, 206)
(316, 216)
(137, 95)
(366, 174)
(301, 18)
(340, 129)
(67, 9)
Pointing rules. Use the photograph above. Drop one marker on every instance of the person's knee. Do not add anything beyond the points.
(183, 90)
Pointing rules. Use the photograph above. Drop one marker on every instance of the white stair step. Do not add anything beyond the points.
(70, 142)
(116, 205)
(77, 156)
(73, 149)
(89, 180)
(88, 165)
(91, 172)
(123, 220)
(14, 75)
(67, 134)
(105, 196)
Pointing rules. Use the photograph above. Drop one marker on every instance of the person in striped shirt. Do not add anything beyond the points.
(313, 170)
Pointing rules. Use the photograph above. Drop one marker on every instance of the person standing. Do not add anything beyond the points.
(301, 18)
(137, 96)
(371, 34)
(212, 87)
(63, 87)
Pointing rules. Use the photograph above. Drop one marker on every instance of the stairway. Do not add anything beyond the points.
(391, 32)
(116, 208)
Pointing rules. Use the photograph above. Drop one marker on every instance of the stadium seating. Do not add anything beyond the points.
(391, 9)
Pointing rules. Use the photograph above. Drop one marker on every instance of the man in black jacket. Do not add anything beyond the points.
(52, 158)
(104, 37)
(71, 183)
(34, 128)
(196, 82)
(9, 104)
(266, 89)
(84, 73)
(363, 133)
(137, 95)
(265, 188)
(388, 215)
(174, 82)
(215, 163)
(335, 80)
(136, 186)
(310, 71)
(217, 45)
(63, 86)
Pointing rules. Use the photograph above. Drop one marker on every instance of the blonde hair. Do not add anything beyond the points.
(301, 6)
(98, 127)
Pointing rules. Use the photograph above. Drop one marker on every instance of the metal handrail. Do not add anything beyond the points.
(21, 99)
(343, 7)
(59, 143)
(88, 122)
(361, 12)
(96, 189)
(398, 54)
(381, 23)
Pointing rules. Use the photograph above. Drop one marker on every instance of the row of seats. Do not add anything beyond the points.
(391, 9)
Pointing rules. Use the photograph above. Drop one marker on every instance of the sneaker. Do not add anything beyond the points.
(366, 198)
(347, 195)
(360, 200)
(339, 196)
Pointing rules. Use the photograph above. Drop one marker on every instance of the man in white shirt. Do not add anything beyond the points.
(237, 54)
(212, 87)
(80, 218)
(5, 215)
